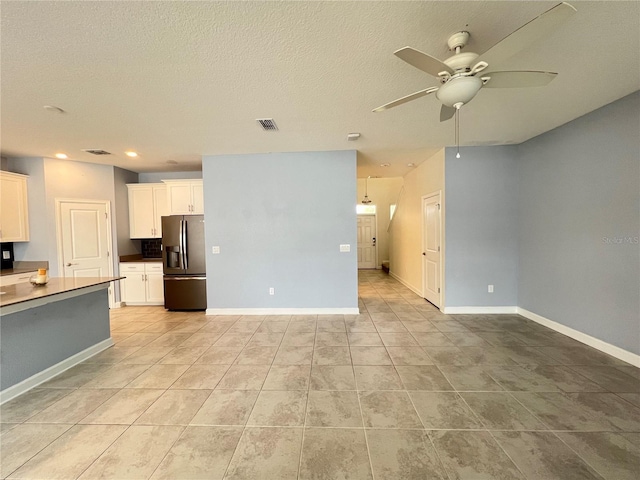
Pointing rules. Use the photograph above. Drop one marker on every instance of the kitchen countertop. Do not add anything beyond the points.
(17, 271)
(138, 259)
(24, 267)
(25, 292)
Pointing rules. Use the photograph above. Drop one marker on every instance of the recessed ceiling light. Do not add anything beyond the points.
(61, 156)
(131, 154)
(53, 109)
(385, 164)
(411, 164)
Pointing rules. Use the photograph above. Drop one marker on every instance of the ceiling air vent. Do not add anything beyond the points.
(96, 151)
(268, 124)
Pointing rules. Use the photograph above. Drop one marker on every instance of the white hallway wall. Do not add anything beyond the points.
(405, 250)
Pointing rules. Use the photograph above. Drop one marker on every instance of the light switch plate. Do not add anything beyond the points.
(6, 255)
(215, 249)
(345, 248)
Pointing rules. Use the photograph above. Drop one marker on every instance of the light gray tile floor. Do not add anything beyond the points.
(400, 391)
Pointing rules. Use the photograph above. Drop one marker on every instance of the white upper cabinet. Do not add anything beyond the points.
(14, 209)
(185, 197)
(147, 204)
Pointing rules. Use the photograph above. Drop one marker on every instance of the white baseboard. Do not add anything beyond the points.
(283, 311)
(596, 343)
(479, 310)
(405, 283)
(47, 374)
(118, 305)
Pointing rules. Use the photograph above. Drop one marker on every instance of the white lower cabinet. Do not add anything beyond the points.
(143, 283)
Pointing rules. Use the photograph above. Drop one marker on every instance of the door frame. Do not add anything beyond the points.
(441, 242)
(59, 252)
(375, 223)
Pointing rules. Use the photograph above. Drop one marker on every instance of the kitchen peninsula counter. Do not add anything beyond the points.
(44, 330)
(22, 296)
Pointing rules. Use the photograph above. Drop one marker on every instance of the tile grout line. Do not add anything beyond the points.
(364, 426)
(244, 427)
(426, 432)
(102, 453)
(577, 453)
(306, 407)
(184, 429)
(506, 453)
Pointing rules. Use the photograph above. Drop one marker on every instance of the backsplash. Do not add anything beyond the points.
(152, 248)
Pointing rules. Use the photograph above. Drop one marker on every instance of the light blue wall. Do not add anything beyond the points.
(579, 186)
(279, 220)
(481, 227)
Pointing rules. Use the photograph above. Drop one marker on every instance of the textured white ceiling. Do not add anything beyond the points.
(177, 80)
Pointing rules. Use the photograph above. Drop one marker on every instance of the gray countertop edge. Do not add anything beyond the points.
(23, 296)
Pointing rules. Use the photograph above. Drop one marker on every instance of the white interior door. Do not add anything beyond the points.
(366, 241)
(431, 251)
(85, 233)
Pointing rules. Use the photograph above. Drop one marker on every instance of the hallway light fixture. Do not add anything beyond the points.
(366, 200)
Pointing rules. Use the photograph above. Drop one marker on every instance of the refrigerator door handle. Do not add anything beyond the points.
(183, 243)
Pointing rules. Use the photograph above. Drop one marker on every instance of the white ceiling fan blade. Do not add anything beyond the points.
(406, 99)
(537, 28)
(520, 79)
(422, 61)
(446, 113)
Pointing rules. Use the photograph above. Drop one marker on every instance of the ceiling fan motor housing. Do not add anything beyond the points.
(461, 61)
(459, 90)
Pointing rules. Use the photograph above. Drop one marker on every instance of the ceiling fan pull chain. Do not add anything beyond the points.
(458, 132)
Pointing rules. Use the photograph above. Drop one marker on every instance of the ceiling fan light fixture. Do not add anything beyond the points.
(459, 90)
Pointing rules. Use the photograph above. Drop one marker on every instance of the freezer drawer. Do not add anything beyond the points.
(185, 293)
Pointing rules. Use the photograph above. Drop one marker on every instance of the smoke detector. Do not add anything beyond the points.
(352, 137)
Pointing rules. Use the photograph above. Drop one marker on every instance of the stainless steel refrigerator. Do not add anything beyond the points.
(183, 257)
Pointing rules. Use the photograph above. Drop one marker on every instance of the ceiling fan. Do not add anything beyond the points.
(463, 74)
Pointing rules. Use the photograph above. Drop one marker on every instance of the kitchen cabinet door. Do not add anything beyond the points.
(197, 193)
(133, 288)
(14, 211)
(179, 194)
(147, 204)
(160, 208)
(155, 288)
(141, 219)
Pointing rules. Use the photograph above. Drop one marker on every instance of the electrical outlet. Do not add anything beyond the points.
(490, 289)
(272, 291)
(215, 250)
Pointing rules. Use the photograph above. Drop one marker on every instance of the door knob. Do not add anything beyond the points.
(69, 264)
(424, 253)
